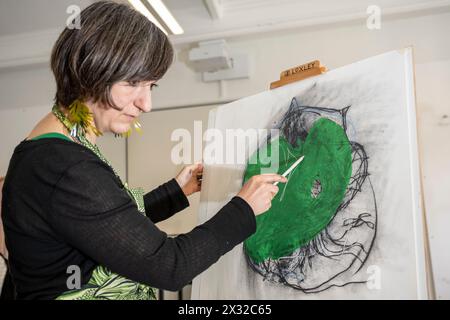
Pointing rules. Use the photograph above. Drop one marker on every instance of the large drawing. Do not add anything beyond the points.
(309, 239)
(348, 223)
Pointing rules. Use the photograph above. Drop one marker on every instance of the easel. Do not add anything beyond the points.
(314, 68)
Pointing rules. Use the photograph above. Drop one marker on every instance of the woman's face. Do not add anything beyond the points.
(131, 99)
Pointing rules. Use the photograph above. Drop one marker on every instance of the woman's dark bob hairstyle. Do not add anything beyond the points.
(115, 43)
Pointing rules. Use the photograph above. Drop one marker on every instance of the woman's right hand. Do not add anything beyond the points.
(259, 191)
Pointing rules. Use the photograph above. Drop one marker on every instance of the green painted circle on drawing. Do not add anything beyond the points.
(306, 204)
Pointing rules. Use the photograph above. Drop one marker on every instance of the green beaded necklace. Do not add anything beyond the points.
(80, 135)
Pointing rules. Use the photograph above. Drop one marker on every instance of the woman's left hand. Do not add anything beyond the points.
(190, 178)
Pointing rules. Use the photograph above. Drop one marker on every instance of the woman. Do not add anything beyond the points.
(73, 229)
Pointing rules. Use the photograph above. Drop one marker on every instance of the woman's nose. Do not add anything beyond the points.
(144, 101)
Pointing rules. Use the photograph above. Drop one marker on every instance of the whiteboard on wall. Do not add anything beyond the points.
(368, 242)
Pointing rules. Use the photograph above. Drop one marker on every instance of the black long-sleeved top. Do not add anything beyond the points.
(63, 206)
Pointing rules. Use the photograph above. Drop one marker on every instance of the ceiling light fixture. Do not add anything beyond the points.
(139, 6)
(166, 16)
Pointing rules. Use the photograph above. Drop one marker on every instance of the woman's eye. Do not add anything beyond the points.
(153, 85)
(133, 83)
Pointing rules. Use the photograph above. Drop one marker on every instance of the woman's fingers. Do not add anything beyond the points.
(198, 172)
(273, 189)
(271, 178)
(195, 168)
(191, 178)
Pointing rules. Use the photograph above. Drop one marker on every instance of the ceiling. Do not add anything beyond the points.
(237, 17)
(210, 19)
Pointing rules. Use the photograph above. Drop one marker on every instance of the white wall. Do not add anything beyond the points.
(335, 46)
(433, 97)
(150, 163)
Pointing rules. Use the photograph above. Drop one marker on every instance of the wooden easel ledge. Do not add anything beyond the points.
(299, 73)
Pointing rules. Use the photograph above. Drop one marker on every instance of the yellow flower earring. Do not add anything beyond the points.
(81, 119)
(137, 126)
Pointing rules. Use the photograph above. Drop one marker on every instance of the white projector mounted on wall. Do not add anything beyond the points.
(214, 60)
(210, 56)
